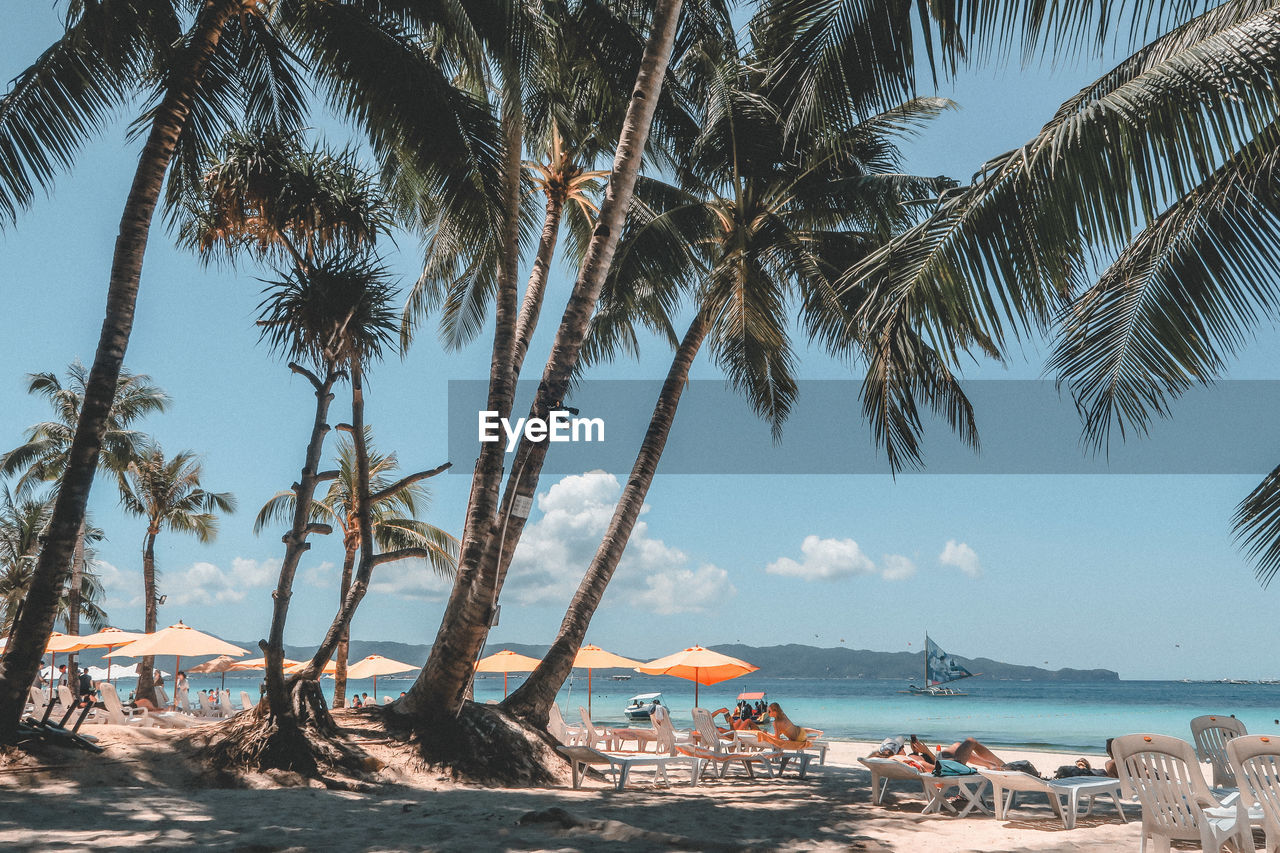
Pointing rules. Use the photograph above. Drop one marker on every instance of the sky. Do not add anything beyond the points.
(1136, 573)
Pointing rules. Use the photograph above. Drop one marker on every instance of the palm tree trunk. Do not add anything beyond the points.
(73, 596)
(532, 700)
(146, 688)
(537, 287)
(438, 692)
(340, 660)
(296, 545)
(22, 657)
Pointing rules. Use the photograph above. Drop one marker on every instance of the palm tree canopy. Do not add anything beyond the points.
(394, 507)
(43, 457)
(168, 494)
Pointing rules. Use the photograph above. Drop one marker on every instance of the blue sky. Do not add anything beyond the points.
(1133, 573)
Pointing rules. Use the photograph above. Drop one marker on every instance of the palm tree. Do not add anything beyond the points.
(760, 223)
(167, 493)
(23, 521)
(45, 455)
(208, 59)
(492, 532)
(395, 503)
(1160, 172)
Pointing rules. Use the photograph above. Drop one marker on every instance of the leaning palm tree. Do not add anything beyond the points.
(23, 521)
(760, 223)
(45, 455)
(208, 62)
(394, 504)
(166, 491)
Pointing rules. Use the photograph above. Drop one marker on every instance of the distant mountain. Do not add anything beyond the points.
(789, 661)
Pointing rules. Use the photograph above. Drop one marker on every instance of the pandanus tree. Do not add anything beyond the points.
(44, 456)
(204, 64)
(167, 493)
(760, 224)
(23, 520)
(395, 503)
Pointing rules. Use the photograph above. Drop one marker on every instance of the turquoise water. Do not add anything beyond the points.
(1038, 715)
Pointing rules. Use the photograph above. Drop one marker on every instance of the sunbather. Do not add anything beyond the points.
(968, 751)
(782, 725)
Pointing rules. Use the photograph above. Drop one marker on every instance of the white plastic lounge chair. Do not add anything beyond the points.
(1210, 734)
(669, 740)
(620, 764)
(183, 701)
(1063, 794)
(224, 703)
(561, 731)
(162, 698)
(716, 752)
(934, 788)
(1255, 760)
(755, 741)
(593, 736)
(211, 711)
(245, 702)
(37, 702)
(643, 737)
(117, 713)
(1162, 773)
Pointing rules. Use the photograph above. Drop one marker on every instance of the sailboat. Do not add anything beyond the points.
(940, 668)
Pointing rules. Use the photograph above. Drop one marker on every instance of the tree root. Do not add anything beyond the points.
(306, 742)
(486, 746)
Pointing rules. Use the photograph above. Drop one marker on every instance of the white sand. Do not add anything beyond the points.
(142, 794)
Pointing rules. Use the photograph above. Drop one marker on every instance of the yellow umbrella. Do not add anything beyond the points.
(178, 640)
(506, 661)
(220, 664)
(60, 642)
(109, 638)
(375, 665)
(291, 668)
(259, 663)
(699, 665)
(594, 657)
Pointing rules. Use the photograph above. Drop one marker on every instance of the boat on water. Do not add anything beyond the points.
(641, 707)
(940, 669)
(620, 677)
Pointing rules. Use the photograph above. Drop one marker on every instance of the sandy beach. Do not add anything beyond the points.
(143, 793)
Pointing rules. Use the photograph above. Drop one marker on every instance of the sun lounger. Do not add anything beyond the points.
(1164, 775)
(245, 702)
(620, 764)
(798, 751)
(934, 788)
(117, 713)
(592, 735)
(1063, 794)
(560, 730)
(1255, 760)
(1210, 734)
(715, 752)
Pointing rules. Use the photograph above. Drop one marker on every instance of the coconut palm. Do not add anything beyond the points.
(45, 455)
(760, 223)
(208, 62)
(23, 521)
(166, 491)
(394, 504)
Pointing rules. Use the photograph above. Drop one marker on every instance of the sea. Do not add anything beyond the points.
(1043, 715)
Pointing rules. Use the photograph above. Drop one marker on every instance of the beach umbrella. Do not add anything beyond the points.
(699, 665)
(594, 657)
(180, 641)
(60, 642)
(506, 661)
(259, 663)
(220, 664)
(375, 665)
(109, 638)
(291, 668)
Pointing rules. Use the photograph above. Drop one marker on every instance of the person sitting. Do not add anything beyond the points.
(734, 722)
(782, 725)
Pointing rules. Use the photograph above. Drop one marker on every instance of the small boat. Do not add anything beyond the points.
(620, 677)
(641, 707)
(940, 668)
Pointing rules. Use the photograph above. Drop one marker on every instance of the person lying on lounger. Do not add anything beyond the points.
(968, 751)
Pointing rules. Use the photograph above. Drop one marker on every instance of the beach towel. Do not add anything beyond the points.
(947, 767)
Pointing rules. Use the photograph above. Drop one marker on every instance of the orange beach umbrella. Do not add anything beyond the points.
(259, 663)
(699, 665)
(180, 641)
(109, 638)
(375, 665)
(506, 661)
(594, 657)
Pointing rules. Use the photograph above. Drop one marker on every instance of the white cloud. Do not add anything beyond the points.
(897, 567)
(556, 550)
(824, 559)
(961, 556)
(206, 583)
(410, 579)
(322, 576)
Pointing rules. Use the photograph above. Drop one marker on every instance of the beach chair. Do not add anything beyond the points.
(1210, 734)
(1063, 794)
(669, 738)
(715, 752)
(934, 788)
(556, 726)
(162, 698)
(183, 700)
(621, 764)
(1255, 760)
(245, 702)
(754, 740)
(642, 737)
(117, 713)
(68, 701)
(1162, 773)
(224, 704)
(592, 736)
